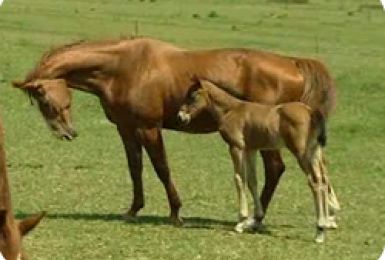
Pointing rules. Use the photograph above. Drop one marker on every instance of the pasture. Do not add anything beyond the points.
(84, 184)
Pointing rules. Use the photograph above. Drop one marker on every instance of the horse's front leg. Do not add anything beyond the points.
(237, 156)
(274, 167)
(133, 149)
(153, 143)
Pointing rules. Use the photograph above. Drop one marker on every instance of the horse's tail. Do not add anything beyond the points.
(318, 123)
(319, 90)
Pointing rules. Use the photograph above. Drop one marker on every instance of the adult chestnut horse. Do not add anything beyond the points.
(142, 82)
(11, 230)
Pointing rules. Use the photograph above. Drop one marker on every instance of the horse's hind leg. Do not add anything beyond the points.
(133, 149)
(153, 143)
(274, 168)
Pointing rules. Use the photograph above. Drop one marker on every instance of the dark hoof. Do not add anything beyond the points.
(129, 215)
(176, 221)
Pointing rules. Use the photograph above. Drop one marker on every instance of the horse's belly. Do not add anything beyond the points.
(202, 124)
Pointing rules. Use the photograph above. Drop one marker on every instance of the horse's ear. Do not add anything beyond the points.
(30, 223)
(17, 84)
(29, 85)
(3, 218)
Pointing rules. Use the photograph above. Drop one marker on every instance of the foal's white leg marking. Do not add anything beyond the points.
(332, 202)
(309, 165)
(322, 195)
(253, 187)
(253, 222)
(237, 156)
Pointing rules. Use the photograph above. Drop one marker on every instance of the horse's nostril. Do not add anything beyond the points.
(67, 137)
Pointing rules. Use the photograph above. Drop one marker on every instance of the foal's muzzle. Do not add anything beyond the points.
(184, 117)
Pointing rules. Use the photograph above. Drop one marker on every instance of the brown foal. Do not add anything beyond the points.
(142, 82)
(11, 230)
(247, 127)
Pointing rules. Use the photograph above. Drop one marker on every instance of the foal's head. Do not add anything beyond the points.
(196, 101)
(54, 101)
(11, 233)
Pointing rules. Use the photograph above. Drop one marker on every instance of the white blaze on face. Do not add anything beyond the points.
(3, 258)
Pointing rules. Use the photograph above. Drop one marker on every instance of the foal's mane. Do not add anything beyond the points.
(229, 89)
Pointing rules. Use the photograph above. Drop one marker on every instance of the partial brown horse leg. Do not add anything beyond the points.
(133, 149)
(274, 167)
(153, 143)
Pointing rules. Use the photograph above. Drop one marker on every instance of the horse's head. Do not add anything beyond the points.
(54, 101)
(12, 232)
(196, 101)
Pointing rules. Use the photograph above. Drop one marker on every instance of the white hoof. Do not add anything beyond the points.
(331, 223)
(239, 228)
(319, 239)
(248, 225)
(320, 236)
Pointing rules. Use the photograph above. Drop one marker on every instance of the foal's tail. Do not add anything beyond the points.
(318, 123)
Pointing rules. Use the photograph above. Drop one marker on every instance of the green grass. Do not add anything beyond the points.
(84, 184)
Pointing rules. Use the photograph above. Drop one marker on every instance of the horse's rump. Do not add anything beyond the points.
(319, 88)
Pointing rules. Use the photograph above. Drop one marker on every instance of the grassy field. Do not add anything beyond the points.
(84, 185)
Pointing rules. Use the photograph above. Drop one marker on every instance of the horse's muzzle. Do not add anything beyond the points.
(69, 135)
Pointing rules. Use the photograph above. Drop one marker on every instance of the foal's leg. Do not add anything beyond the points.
(309, 164)
(133, 150)
(253, 185)
(274, 167)
(333, 203)
(153, 143)
(237, 155)
(253, 188)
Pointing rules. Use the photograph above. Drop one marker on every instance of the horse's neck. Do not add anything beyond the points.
(221, 102)
(85, 71)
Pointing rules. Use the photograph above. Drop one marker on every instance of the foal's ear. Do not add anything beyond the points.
(197, 84)
(30, 223)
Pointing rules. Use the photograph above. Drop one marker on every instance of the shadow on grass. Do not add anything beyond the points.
(188, 222)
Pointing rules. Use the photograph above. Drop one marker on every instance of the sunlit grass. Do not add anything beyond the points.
(84, 184)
